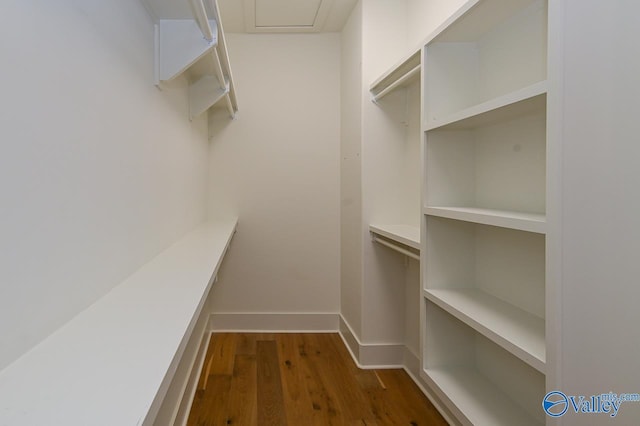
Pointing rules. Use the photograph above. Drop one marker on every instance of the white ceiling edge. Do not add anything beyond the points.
(233, 16)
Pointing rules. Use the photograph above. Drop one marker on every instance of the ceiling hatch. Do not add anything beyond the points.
(285, 15)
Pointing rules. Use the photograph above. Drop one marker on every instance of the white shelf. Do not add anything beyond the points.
(402, 74)
(190, 41)
(403, 234)
(476, 399)
(505, 219)
(113, 363)
(502, 108)
(517, 331)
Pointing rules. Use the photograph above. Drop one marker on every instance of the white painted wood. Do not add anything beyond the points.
(517, 331)
(205, 93)
(483, 270)
(505, 263)
(505, 219)
(181, 45)
(404, 234)
(502, 108)
(125, 348)
(454, 348)
(499, 165)
(402, 74)
(395, 247)
(473, 70)
(285, 16)
(196, 49)
(476, 400)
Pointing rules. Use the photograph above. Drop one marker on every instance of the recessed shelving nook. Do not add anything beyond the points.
(190, 42)
(397, 213)
(484, 213)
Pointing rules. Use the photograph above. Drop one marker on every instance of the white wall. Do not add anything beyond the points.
(99, 171)
(425, 16)
(277, 168)
(351, 171)
(600, 233)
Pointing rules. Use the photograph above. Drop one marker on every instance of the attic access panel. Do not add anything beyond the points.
(285, 15)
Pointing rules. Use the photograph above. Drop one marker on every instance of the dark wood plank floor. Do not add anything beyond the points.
(300, 380)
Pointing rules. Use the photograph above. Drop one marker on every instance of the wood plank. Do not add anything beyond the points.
(270, 396)
(243, 404)
(223, 353)
(303, 379)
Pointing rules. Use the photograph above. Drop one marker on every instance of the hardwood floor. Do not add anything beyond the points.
(300, 380)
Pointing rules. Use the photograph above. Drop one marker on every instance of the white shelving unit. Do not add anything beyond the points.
(399, 227)
(190, 42)
(403, 74)
(484, 242)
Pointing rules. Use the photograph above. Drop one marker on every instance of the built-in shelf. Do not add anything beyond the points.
(404, 239)
(402, 74)
(476, 399)
(403, 234)
(515, 330)
(190, 42)
(502, 108)
(529, 222)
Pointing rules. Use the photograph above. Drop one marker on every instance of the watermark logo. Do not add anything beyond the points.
(557, 403)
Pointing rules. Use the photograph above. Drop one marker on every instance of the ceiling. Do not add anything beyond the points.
(262, 16)
(240, 16)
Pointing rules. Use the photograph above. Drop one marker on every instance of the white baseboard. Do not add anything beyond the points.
(377, 355)
(274, 322)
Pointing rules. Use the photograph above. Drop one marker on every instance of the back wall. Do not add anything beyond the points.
(277, 168)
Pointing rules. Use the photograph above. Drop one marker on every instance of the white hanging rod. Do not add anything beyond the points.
(396, 248)
(200, 15)
(397, 83)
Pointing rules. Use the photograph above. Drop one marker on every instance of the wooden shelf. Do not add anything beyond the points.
(476, 399)
(116, 359)
(505, 219)
(403, 234)
(502, 108)
(190, 41)
(402, 74)
(518, 332)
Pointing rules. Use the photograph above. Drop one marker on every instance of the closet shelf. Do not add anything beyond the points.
(403, 234)
(478, 400)
(529, 222)
(402, 74)
(190, 42)
(517, 331)
(501, 108)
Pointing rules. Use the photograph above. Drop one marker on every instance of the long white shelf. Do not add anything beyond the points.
(517, 331)
(505, 107)
(477, 400)
(529, 222)
(402, 74)
(403, 234)
(113, 363)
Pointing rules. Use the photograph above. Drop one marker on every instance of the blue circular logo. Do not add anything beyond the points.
(555, 403)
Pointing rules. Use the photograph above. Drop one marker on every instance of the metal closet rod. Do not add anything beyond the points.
(200, 15)
(415, 70)
(396, 248)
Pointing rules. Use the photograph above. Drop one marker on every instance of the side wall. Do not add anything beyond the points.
(99, 170)
(600, 236)
(277, 168)
(350, 172)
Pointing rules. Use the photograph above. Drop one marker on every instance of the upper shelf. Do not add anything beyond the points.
(190, 41)
(403, 234)
(402, 74)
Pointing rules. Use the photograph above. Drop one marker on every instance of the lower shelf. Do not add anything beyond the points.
(479, 401)
(479, 381)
